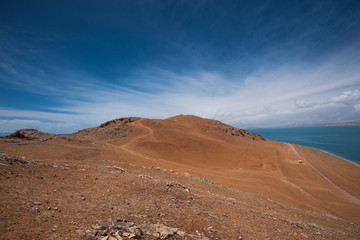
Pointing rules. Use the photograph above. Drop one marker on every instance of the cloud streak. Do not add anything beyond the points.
(264, 98)
(263, 67)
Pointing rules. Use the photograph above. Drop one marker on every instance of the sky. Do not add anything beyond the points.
(68, 65)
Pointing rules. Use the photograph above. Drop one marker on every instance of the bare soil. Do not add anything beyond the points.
(180, 178)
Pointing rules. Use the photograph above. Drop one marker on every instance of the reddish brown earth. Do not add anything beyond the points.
(101, 183)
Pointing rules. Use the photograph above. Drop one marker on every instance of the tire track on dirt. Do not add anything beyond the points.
(331, 182)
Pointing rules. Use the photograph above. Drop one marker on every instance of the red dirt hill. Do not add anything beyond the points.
(240, 159)
(249, 172)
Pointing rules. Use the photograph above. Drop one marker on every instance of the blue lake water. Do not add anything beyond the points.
(343, 141)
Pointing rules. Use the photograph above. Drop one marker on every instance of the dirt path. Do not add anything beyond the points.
(315, 169)
(125, 147)
(150, 133)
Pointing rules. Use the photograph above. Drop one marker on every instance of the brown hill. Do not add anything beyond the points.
(221, 181)
(117, 128)
(31, 134)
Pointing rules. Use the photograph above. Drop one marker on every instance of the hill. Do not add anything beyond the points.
(181, 177)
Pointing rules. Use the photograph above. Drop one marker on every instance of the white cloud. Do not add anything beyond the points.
(265, 101)
(288, 94)
(304, 104)
(357, 107)
(347, 97)
(16, 124)
(350, 97)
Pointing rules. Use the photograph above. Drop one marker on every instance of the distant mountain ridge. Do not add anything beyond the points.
(347, 123)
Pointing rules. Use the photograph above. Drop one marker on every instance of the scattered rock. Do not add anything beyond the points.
(175, 184)
(144, 176)
(187, 175)
(123, 229)
(118, 169)
(181, 233)
(303, 235)
(102, 225)
(57, 209)
(35, 210)
(6, 159)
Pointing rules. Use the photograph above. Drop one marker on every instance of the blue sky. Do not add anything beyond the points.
(68, 65)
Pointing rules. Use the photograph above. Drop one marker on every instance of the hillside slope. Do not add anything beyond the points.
(232, 176)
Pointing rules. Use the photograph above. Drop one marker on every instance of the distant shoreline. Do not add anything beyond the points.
(299, 126)
(339, 141)
(332, 154)
(340, 124)
(347, 160)
(339, 157)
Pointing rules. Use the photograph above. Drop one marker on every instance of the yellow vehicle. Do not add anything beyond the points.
(300, 161)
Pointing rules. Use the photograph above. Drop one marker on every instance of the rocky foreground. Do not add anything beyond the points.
(97, 184)
(117, 200)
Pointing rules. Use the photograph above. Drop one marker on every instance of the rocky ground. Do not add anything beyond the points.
(179, 178)
(107, 199)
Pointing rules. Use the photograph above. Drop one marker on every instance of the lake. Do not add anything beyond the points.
(343, 141)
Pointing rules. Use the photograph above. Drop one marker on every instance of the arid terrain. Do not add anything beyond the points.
(183, 177)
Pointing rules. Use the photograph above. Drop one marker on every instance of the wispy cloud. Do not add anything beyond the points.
(347, 97)
(264, 98)
(260, 68)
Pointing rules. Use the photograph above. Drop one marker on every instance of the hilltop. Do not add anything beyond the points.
(183, 177)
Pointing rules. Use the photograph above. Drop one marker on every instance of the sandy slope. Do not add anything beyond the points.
(322, 183)
(218, 152)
